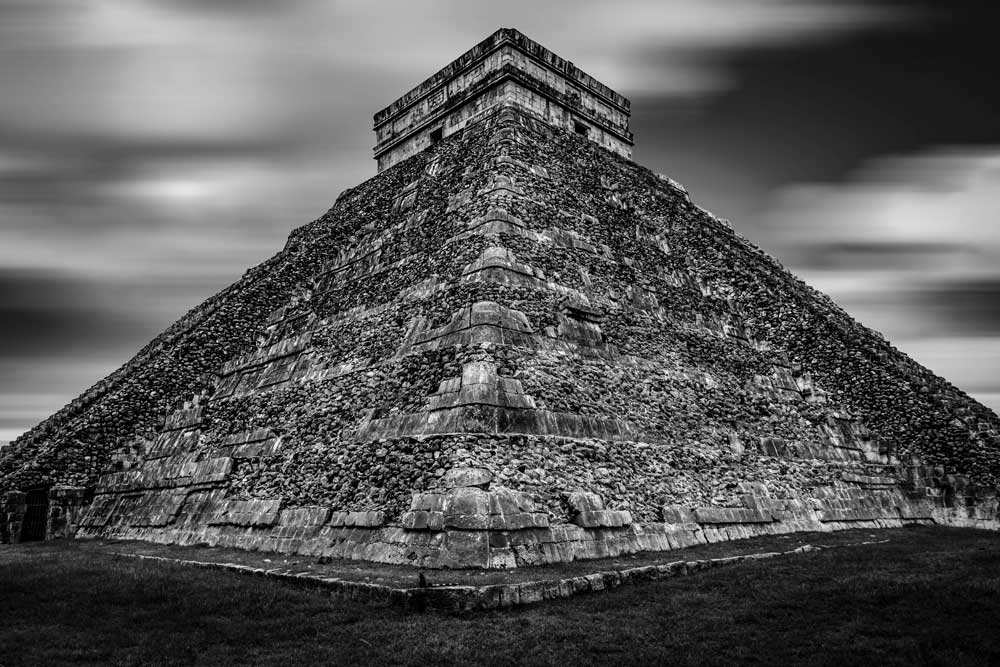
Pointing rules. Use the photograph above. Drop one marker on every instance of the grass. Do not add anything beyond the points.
(929, 596)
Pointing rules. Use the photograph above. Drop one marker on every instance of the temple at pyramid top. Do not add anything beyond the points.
(506, 68)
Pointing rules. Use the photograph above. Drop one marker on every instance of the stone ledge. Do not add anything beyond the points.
(603, 519)
(869, 480)
(492, 419)
(184, 418)
(247, 513)
(370, 519)
(858, 514)
(172, 443)
(714, 515)
(496, 596)
(282, 348)
(168, 472)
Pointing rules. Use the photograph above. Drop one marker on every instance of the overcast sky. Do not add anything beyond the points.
(151, 151)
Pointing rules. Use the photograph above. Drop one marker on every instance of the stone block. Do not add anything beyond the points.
(478, 394)
(726, 515)
(414, 520)
(435, 521)
(504, 501)
(304, 516)
(524, 502)
(372, 519)
(254, 512)
(479, 372)
(467, 500)
(172, 443)
(467, 477)
(584, 501)
(464, 548)
(603, 519)
(180, 419)
(467, 521)
(674, 514)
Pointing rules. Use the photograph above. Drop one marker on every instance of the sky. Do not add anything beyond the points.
(153, 150)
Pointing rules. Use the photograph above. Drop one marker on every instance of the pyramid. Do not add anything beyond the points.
(512, 346)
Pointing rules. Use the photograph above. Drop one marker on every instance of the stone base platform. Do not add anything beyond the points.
(467, 524)
(412, 588)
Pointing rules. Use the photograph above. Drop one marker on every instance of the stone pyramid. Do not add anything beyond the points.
(512, 346)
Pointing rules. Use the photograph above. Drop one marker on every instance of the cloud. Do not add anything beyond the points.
(909, 246)
(940, 206)
(969, 307)
(150, 138)
(925, 221)
(39, 308)
(181, 70)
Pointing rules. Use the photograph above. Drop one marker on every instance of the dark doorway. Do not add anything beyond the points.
(436, 135)
(581, 128)
(36, 517)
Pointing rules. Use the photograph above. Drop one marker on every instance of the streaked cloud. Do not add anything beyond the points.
(928, 217)
(909, 246)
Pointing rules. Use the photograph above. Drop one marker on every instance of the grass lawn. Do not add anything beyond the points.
(929, 596)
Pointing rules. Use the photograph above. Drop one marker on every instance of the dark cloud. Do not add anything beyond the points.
(815, 112)
(861, 255)
(47, 314)
(73, 169)
(962, 308)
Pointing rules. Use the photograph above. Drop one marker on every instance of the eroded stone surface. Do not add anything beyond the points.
(625, 372)
(458, 477)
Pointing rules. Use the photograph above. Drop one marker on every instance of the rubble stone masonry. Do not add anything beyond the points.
(514, 347)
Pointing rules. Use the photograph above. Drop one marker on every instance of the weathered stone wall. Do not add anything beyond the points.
(518, 301)
(74, 446)
(65, 511)
(12, 510)
(467, 522)
(506, 68)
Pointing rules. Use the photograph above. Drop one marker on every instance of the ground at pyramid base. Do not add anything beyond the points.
(513, 346)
